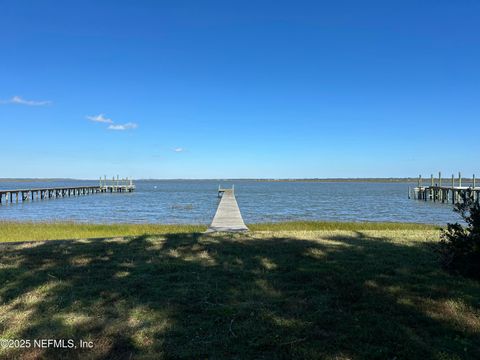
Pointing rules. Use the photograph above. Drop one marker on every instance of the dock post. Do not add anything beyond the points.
(453, 187)
(440, 191)
(419, 180)
(474, 193)
(432, 190)
(459, 179)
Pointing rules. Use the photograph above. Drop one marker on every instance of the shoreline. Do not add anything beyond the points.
(360, 179)
(14, 231)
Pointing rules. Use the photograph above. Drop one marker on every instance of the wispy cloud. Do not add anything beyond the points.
(122, 127)
(20, 101)
(100, 118)
(179, 149)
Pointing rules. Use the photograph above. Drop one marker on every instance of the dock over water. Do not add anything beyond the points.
(438, 192)
(23, 195)
(228, 217)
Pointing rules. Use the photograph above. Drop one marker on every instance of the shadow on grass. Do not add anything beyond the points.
(237, 296)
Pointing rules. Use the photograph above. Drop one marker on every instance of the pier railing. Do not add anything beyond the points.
(454, 192)
(221, 191)
(116, 185)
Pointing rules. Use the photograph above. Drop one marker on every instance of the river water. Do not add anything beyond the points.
(195, 202)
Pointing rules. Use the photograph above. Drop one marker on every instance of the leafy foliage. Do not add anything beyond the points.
(460, 245)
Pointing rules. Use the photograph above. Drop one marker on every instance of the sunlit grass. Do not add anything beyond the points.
(33, 231)
(334, 225)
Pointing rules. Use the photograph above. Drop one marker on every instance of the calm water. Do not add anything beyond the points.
(195, 202)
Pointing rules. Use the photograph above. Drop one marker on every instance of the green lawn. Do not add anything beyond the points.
(370, 292)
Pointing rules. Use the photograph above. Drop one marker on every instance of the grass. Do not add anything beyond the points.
(332, 225)
(34, 231)
(278, 293)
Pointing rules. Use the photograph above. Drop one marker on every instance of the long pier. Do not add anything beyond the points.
(438, 192)
(23, 195)
(228, 217)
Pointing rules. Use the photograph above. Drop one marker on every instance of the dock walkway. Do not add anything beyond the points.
(228, 217)
(23, 195)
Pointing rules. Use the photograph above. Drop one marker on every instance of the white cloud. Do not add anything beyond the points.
(18, 100)
(179, 149)
(121, 127)
(100, 118)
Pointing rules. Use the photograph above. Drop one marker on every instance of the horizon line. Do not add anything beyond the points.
(229, 179)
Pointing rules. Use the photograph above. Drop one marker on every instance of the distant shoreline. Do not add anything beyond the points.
(320, 180)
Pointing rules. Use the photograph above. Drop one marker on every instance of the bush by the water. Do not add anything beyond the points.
(460, 245)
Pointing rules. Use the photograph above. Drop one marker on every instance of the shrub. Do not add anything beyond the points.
(459, 247)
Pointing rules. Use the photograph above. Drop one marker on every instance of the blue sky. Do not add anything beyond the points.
(231, 89)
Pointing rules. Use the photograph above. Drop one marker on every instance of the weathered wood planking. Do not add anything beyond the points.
(228, 217)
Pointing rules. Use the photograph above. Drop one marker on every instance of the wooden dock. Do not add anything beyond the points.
(438, 192)
(23, 195)
(228, 217)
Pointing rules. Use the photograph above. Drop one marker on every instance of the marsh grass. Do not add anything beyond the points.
(334, 225)
(329, 294)
(34, 231)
